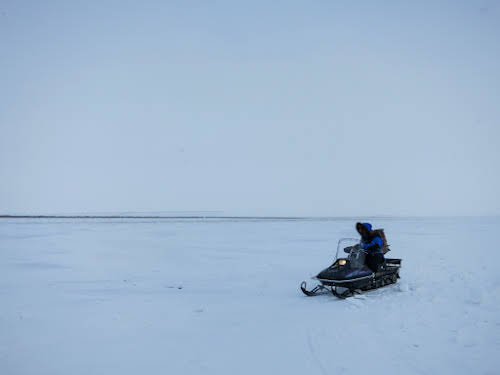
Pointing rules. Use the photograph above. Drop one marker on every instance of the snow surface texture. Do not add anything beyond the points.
(222, 297)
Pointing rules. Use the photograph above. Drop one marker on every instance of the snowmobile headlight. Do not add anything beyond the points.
(342, 262)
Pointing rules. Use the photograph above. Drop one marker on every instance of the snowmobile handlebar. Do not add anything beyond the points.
(348, 249)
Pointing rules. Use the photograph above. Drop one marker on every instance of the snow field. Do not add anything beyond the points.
(222, 296)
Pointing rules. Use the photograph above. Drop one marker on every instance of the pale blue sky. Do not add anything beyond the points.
(286, 107)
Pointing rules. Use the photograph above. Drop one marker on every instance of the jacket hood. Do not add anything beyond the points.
(367, 226)
(364, 229)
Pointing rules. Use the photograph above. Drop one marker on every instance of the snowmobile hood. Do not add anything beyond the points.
(344, 273)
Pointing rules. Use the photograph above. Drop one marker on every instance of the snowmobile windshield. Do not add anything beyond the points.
(345, 246)
(350, 248)
(357, 257)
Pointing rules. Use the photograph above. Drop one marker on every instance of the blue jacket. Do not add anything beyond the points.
(374, 244)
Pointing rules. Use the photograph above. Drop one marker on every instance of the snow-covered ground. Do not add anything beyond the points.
(222, 297)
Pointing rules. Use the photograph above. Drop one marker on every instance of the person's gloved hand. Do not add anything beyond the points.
(348, 249)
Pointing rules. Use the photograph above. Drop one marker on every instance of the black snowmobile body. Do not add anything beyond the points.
(350, 275)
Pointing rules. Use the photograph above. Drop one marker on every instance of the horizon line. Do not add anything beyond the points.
(230, 217)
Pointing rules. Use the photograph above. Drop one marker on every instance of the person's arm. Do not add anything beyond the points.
(375, 244)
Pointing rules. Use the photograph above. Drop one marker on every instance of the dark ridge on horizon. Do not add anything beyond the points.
(234, 217)
(155, 217)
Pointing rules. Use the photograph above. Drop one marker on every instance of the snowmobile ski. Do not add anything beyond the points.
(318, 289)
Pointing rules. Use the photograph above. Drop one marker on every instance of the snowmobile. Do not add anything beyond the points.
(349, 275)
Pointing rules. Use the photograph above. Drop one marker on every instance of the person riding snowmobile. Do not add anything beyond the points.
(372, 244)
